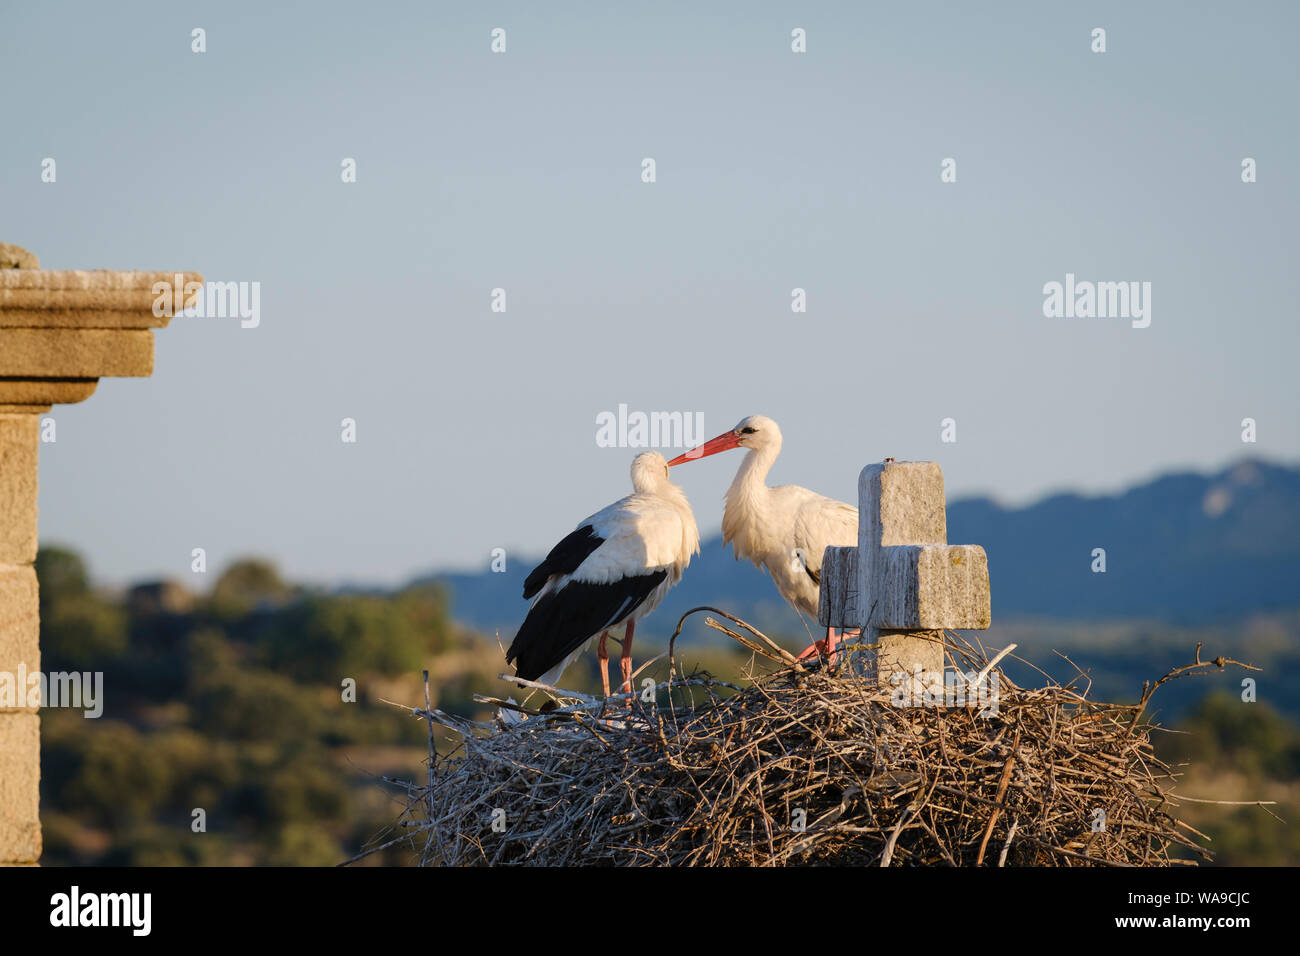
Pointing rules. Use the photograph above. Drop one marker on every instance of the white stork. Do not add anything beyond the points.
(783, 530)
(614, 569)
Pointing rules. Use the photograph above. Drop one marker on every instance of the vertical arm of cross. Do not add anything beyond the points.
(900, 503)
(911, 583)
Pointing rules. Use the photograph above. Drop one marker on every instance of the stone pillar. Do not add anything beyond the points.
(60, 331)
(20, 759)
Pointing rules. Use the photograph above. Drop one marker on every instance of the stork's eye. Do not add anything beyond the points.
(748, 430)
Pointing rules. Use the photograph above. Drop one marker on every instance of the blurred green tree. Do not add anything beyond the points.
(247, 584)
(1224, 732)
(79, 630)
(325, 638)
(61, 573)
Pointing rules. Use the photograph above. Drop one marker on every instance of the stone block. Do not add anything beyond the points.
(19, 441)
(20, 788)
(20, 633)
(75, 353)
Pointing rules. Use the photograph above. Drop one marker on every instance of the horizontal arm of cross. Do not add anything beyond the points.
(920, 587)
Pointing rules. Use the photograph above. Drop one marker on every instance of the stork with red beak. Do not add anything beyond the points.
(783, 530)
(613, 570)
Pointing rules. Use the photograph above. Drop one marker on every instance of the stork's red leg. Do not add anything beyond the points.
(809, 651)
(825, 647)
(850, 632)
(602, 655)
(625, 661)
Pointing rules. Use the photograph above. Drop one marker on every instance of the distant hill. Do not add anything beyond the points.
(1183, 549)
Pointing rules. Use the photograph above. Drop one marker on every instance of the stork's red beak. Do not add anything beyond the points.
(724, 442)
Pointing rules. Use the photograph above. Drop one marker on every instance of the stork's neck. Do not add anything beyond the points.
(748, 520)
(749, 496)
(751, 476)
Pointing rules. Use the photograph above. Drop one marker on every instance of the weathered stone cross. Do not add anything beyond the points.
(903, 583)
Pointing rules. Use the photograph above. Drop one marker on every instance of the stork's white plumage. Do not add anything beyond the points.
(613, 569)
(784, 530)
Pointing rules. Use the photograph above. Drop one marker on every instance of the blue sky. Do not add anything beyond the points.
(522, 171)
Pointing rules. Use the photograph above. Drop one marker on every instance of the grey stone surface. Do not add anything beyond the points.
(837, 596)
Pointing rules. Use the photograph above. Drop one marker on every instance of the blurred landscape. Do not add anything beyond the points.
(229, 696)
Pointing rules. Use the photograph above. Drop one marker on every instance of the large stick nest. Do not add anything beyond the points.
(805, 767)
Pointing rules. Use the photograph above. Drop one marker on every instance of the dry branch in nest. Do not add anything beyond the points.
(804, 767)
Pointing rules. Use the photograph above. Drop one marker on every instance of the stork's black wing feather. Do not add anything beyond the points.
(563, 620)
(564, 558)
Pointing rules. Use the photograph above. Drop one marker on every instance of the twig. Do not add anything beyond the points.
(1011, 835)
(1002, 792)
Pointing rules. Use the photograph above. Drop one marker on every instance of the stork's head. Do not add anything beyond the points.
(649, 471)
(757, 432)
